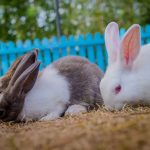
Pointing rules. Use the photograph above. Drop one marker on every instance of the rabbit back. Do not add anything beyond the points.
(67, 81)
(83, 78)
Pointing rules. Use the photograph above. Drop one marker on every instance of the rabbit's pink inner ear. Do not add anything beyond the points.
(112, 41)
(131, 45)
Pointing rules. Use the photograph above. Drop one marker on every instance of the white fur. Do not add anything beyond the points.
(135, 83)
(48, 98)
(75, 109)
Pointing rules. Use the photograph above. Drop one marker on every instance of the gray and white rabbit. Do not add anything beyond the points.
(68, 86)
(127, 78)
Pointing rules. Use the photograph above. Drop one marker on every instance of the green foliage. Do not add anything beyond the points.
(23, 19)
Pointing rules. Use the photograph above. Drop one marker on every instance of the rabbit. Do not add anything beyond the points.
(127, 77)
(67, 86)
(23, 72)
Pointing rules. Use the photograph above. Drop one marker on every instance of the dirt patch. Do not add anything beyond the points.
(128, 129)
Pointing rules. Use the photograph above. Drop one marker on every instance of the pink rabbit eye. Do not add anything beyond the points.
(117, 89)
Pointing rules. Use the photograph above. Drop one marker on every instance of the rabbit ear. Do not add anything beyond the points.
(7, 77)
(112, 41)
(130, 45)
(13, 66)
(26, 80)
(27, 61)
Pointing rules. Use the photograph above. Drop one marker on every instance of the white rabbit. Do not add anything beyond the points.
(67, 86)
(127, 78)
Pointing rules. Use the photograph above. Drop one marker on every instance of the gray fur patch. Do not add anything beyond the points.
(84, 78)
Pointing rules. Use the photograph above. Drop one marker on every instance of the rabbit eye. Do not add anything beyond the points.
(117, 89)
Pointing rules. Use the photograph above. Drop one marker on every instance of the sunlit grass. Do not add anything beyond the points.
(101, 129)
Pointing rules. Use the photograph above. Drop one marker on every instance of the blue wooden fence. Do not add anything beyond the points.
(89, 46)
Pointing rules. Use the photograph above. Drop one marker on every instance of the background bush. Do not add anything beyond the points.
(22, 19)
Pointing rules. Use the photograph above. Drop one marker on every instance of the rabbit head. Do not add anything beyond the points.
(19, 80)
(116, 86)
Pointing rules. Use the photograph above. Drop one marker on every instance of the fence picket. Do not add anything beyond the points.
(20, 47)
(143, 36)
(55, 48)
(122, 32)
(50, 50)
(147, 32)
(90, 49)
(46, 52)
(72, 45)
(99, 52)
(11, 48)
(4, 59)
(81, 43)
(63, 46)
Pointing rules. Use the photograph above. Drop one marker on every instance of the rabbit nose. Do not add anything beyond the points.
(2, 112)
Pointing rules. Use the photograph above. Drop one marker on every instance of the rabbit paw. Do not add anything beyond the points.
(51, 116)
(75, 109)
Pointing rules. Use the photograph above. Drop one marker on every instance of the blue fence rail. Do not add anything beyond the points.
(89, 46)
